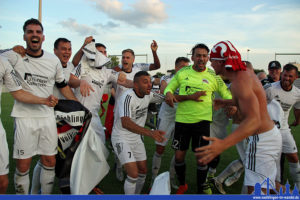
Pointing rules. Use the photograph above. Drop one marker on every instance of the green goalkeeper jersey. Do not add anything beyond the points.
(190, 81)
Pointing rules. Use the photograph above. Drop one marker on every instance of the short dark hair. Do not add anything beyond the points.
(139, 74)
(128, 50)
(290, 67)
(181, 59)
(200, 46)
(100, 45)
(32, 21)
(60, 40)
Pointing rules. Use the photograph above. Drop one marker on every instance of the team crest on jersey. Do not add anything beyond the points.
(205, 81)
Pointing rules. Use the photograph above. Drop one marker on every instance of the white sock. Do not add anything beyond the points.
(172, 168)
(130, 185)
(47, 179)
(156, 161)
(295, 173)
(140, 183)
(36, 184)
(230, 169)
(21, 182)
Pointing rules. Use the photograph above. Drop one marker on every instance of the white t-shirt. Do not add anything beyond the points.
(287, 99)
(98, 79)
(136, 108)
(166, 111)
(38, 76)
(67, 72)
(8, 77)
(130, 75)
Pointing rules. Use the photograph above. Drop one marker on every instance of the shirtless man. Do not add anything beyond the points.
(256, 124)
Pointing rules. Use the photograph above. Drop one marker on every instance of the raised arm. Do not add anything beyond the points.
(27, 97)
(79, 54)
(156, 64)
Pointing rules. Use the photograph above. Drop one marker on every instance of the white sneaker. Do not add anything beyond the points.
(119, 173)
(218, 185)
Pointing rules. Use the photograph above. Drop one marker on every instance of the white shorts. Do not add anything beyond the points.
(4, 152)
(129, 152)
(35, 136)
(288, 142)
(262, 153)
(97, 126)
(168, 126)
(218, 127)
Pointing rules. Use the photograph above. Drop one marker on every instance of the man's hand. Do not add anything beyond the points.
(158, 135)
(51, 101)
(197, 95)
(87, 40)
(170, 99)
(19, 50)
(230, 110)
(154, 46)
(122, 77)
(85, 88)
(218, 104)
(207, 153)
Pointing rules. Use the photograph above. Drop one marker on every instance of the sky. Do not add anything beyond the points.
(257, 28)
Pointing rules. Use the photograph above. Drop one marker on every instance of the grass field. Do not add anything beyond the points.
(110, 185)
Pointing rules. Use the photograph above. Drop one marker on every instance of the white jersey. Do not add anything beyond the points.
(98, 79)
(38, 76)
(135, 69)
(67, 72)
(276, 113)
(8, 76)
(136, 108)
(165, 110)
(287, 99)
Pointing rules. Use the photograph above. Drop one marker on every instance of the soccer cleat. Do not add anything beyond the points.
(206, 188)
(182, 189)
(231, 180)
(218, 186)
(98, 191)
(210, 176)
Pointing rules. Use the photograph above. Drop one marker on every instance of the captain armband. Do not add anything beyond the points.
(61, 84)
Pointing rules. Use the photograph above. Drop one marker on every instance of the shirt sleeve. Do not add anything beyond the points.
(77, 71)
(269, 91)
(12, 57)
(11, 81)
(173, 84)
(156, 98)
(113, 76)
(223, 90)
(125, 106)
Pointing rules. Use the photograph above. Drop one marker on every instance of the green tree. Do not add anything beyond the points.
(114, 61)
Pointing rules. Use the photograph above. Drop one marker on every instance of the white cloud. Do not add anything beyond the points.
(257, 7)
(139, 14)
(108, 25)
(81, 29)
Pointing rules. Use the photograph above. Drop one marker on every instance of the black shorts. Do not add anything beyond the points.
(185, 132)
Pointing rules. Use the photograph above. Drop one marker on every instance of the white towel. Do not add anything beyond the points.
(161, 185)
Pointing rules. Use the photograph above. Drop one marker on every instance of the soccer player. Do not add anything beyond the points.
(35, 125)
(193, 114)
(288, 96)
(130, 118)
(250, 99)
(130, 69)
(8, 76)
(166, 122)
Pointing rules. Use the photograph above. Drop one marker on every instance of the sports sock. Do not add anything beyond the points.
(36, 184)
(21, 182)
(230, 169)
(156, 161)
(201, 177)
(180, 171)
(213, 165)
(47, 179)
(172, 168)
(295, 173)
(130, 185)
(140, 183)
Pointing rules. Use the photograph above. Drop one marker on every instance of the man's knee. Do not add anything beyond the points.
(23, 165)
(292, 157)
(48, 161)
(3, 183)
(160, 149)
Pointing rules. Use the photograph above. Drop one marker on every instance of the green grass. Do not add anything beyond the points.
(110, 185)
